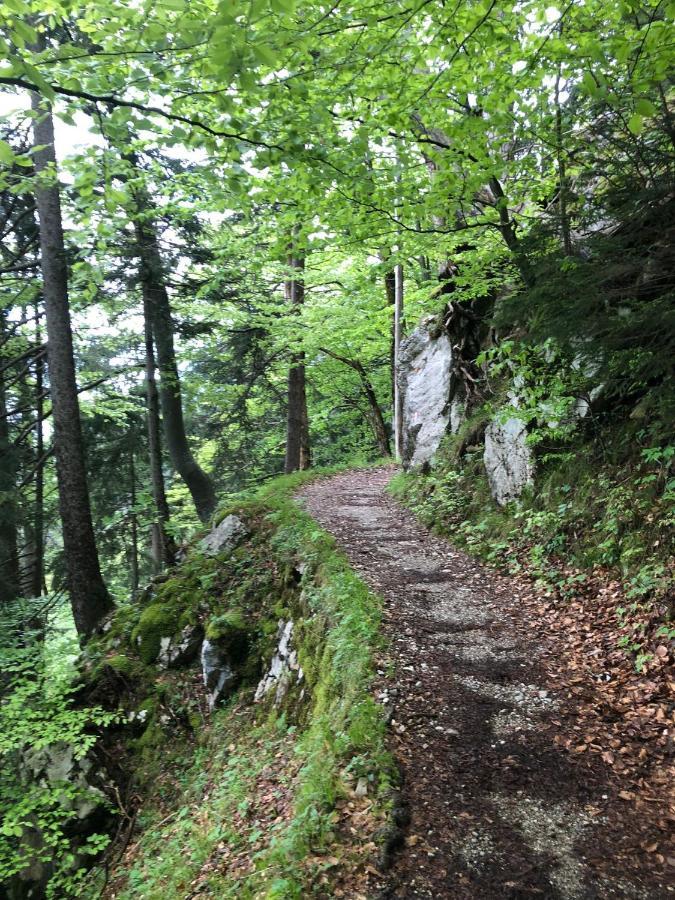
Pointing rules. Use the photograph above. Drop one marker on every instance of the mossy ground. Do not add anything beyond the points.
(209, 782)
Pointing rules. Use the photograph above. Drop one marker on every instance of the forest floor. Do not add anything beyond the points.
(530, 766)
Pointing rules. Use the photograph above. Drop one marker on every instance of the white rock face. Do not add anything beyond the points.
(283, 668)
(219, 677)
(180, 650)
(507, 459)
(424, 381)
(224, 536)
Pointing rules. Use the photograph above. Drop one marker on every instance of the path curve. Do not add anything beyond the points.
(497, 810)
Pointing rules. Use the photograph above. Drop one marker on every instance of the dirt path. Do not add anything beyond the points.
(497, 809)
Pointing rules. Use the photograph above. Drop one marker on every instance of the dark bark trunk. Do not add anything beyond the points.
(88, 595)
(297, 421)
(39, 508)
(390, 290)
(398, 332)
(163, 547)
(376, 417)
(9, 554)
(565, 231)
(156, 303)
(507, 229)
(134, 575)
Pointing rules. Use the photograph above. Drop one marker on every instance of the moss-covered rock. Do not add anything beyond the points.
(157, 621)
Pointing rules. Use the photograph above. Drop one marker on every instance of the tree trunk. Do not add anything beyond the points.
(134, 576)
(390, 290)
(565, 231)
(9, 554)
(297, 421)
(88, 595)
(398, 400)
(157, 306)
(507, 230)
(163, 548)
(376, 417)
(39, 508)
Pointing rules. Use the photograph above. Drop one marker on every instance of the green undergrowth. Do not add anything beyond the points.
(203, 819)
(599, 504)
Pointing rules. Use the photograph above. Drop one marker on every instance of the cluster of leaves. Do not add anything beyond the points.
(38, 717)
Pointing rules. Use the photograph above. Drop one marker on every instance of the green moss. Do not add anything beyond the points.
(121, 663)
(157, 621)
(222, 625)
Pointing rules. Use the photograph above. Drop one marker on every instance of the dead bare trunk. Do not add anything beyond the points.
(88, 595)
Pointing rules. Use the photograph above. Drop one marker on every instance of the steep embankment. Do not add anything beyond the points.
(243, 753)
(526, 773)
(279, 790)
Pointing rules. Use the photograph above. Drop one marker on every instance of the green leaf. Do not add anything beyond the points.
(283, 7)
(589, 84)
(645, 108)
(6, 154)
(635, 124)
(26, 32)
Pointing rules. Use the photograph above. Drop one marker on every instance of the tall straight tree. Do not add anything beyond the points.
(398, 319)
(158, 309)
(297, 420)
(9, 556)
(163, 548)
(88, 595)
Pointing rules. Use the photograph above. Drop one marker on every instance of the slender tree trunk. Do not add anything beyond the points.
(507, 230)
(134, 579)
(390, 289)
(88, 595)
(163, 548)
(398, 400)
(9, 554)
(379, 426)
(562, 170)
(376, 417)
(297, 421)
(39, 508)
(156, 303)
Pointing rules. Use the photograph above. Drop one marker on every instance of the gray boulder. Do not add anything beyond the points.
(284, 667)
(83, 803)
(56, 764)
(181, 650)
(219, 676)
(424, 380)
(508, 459)
(225, 536)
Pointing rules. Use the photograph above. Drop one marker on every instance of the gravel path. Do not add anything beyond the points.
(496, 809)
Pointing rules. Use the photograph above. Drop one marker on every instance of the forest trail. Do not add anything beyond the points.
(496, 808)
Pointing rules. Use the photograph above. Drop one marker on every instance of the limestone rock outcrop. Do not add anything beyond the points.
(284, 667)
(225, 536)
(425, 377)
(507, 458)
